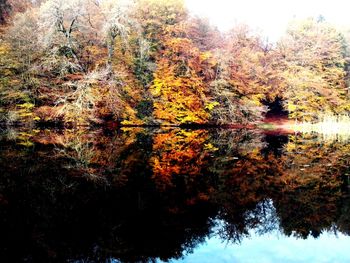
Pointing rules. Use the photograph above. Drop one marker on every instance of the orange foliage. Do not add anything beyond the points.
(179, 86)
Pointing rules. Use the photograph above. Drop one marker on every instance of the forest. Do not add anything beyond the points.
(135, 131)
(150, 62)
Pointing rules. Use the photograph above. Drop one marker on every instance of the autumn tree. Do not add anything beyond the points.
(118, 23)
(62, 25)
(204, 35)
(180, 85)
(245, 77)
(313, 59)
(24, 39)
(156, 19)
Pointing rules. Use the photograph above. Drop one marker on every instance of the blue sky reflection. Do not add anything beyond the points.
(273, 247)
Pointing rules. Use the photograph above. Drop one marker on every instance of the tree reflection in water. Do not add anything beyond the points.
(141, 194)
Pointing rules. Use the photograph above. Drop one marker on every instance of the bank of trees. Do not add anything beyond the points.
(82, 62)
(314, 57)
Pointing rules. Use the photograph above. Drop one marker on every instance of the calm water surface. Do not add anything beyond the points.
(178, 195)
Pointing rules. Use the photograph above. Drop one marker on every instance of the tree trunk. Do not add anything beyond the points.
(110, 47)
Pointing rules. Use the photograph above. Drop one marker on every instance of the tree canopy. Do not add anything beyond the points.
(151, 62)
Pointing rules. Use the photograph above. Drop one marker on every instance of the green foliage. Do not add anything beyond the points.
(143, 72)
(144, 109)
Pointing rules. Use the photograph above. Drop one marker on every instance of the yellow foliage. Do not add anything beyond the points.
(178, 86)
(210, 147)
(210, 106)
(26, 106)
(26, 143)
(4, 48)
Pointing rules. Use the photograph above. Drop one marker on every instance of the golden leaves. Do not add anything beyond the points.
(178, 86)
(314, 69)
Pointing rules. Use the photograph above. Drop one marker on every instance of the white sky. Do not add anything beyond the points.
(271, 16)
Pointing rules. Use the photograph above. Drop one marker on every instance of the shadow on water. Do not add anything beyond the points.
(137, 195)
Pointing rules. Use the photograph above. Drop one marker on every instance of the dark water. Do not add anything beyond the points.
(150, 195)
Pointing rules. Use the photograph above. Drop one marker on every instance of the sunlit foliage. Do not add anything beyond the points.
(315, 59)
(179, 85)
(152, 63)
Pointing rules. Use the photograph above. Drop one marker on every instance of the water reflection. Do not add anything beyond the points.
(138, 195)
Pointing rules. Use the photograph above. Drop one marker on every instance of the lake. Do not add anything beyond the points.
(171, 194)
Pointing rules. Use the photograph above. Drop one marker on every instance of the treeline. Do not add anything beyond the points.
(149, 62)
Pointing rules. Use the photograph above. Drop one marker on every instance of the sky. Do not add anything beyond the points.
(270, 16)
